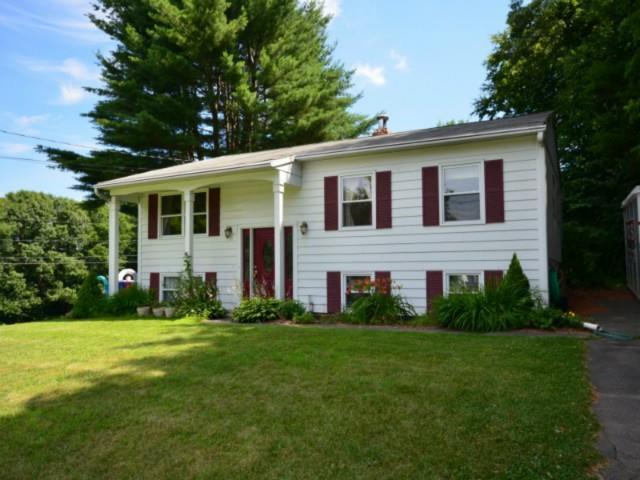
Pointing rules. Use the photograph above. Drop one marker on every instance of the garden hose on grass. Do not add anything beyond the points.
(599, 331)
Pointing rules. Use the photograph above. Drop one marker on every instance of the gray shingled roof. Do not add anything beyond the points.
(451, 133)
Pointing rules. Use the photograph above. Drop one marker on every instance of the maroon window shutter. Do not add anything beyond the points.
(211, 278)
(492, 278)
(214, 212)
(154, 284)
(434, 286)
(430, 196)
(383, 199)
(385, 279)
(333, 292)
(288, 263)
(331, 203)
(246, 262)
(494, 191)
(152, 219)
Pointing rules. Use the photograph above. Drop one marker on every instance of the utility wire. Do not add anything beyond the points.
(112, 168)
(79, 145)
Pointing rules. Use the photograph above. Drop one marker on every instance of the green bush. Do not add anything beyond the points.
(506, 306)
(257, 309)
(126, 300)
(517, 281)
(193, 297)
(548, 318)
(290, 308)
(90, 301)
(380, 308)
(304, 318)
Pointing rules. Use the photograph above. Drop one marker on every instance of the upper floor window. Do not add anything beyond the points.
(200, 212)
(357, 201)
(171, 214)
(461, 192)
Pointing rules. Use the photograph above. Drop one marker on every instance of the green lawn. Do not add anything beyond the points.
(179, 399)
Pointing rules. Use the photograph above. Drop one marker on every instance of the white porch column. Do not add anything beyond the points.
(278, 236)
(114, 244)
(188, 222)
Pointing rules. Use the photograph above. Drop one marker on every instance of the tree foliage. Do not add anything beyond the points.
(47, 245)
(581, 59)
(195, 78)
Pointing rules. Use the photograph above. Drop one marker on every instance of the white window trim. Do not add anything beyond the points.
(172, 275)
(448, 273)
(441, 168)
(371, 174)
(162, 277)
(160, 216)
(343, 283)
(206, 213)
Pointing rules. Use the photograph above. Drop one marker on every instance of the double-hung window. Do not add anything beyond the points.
(461, 192)
(171, 214)
(356, 286)
(463, 282)
(357, 201)
(200, 212)
(169, 287)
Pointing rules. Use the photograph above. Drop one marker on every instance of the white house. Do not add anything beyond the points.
(427, 208)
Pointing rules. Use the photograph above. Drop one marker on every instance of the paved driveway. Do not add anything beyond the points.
(615, 373)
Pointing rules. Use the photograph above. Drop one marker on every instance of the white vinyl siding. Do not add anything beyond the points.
(407, 250)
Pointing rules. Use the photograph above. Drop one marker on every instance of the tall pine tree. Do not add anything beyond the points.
(191, 79)
(581, 59)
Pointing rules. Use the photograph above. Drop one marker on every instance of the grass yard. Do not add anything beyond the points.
(180, 399)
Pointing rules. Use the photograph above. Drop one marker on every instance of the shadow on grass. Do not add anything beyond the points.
(243, 402)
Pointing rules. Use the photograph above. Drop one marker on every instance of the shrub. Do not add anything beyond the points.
(492, 309)
(126, 300)
(90, 301)
(290, 308)
(547, 318)
(257, 309)
(516, 280)
(380, 308)
(196, 298)
(304, 318)
(378, 305)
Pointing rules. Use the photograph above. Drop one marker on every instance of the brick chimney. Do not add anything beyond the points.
(382, 129)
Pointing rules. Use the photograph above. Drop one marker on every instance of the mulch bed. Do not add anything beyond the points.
(588, 302)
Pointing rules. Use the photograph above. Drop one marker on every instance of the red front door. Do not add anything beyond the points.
(263, 262)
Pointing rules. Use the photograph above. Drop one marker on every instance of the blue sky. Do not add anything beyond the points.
(421, 61)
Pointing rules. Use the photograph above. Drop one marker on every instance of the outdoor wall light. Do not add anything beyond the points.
(304, 228)
(228, 232)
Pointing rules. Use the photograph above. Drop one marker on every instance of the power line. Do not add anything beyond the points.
(86, 147)
(50, 140)
(112, 168)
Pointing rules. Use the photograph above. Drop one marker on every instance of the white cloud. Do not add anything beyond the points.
(71, 94)
(70, 21)
(401, 61)
(331, 7)
(26, 121)
(71, 67)
(374, 75)
(14, 148)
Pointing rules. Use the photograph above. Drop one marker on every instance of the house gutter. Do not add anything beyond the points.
(334, 154)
